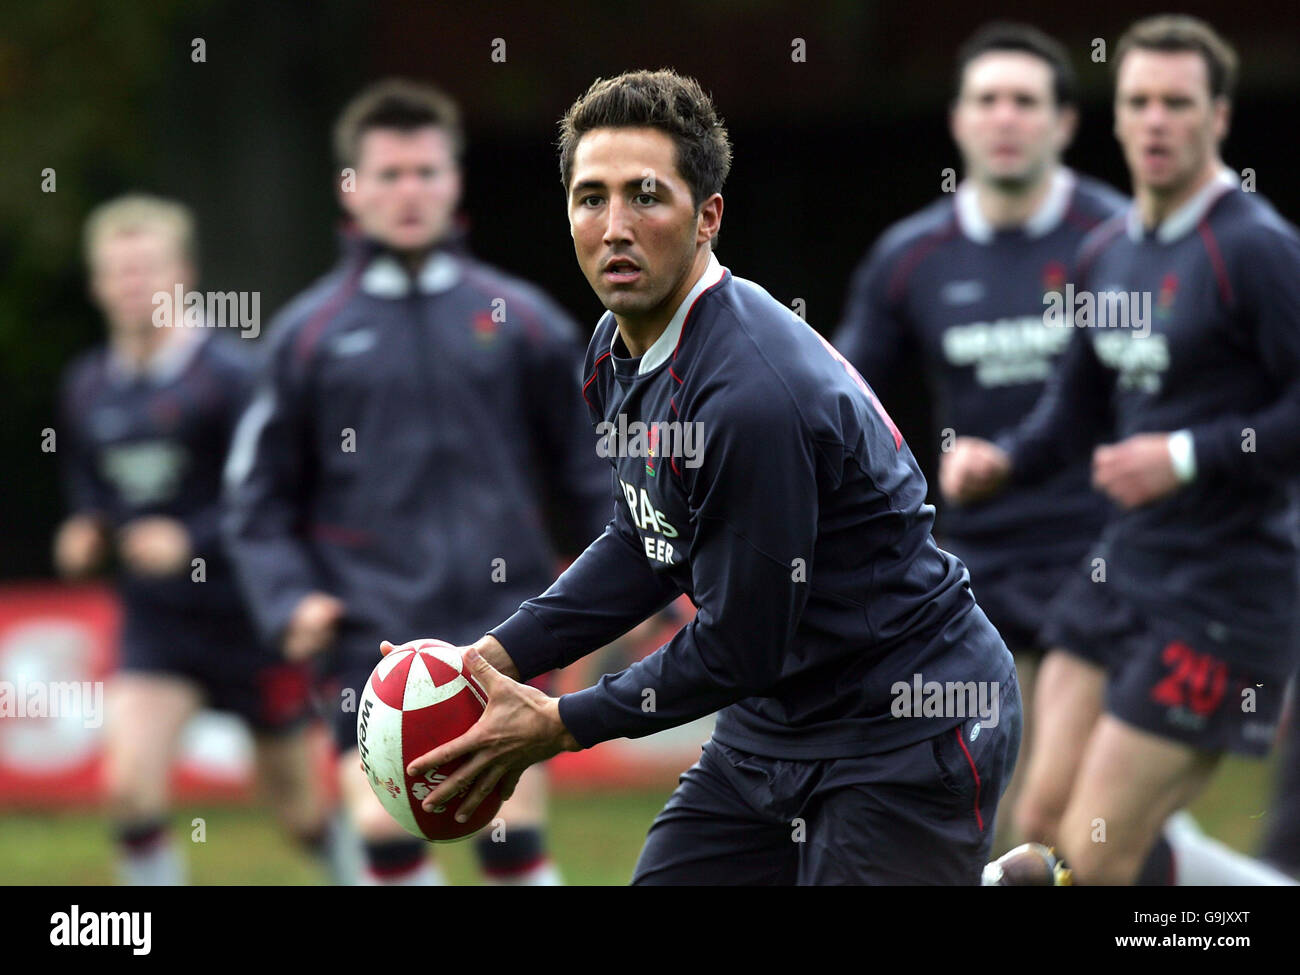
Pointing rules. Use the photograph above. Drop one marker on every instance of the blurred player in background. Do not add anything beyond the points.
(147, 421)
(798, 526)
(420, 413)
(1177, 647)
(960, 287)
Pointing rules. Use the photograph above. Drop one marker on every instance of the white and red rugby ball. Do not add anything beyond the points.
(417, 698)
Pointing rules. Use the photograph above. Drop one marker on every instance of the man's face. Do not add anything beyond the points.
(635, 229)
(128, 269)
(1165, 120)
(1006, 122)
(407, 187)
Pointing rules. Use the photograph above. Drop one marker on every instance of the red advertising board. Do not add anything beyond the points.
(58, 650)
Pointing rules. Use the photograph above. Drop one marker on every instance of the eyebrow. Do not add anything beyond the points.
(596, 184)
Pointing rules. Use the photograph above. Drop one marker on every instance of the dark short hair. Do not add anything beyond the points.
(395, 104)
(1179, 32)
(1008, 36)
(661, 100)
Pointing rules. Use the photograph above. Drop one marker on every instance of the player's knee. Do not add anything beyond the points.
(1034, 820)
(132, 798)
(1099, 864)
(304, 820)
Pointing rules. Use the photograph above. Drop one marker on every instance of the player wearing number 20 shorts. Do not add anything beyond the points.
(1182, 385)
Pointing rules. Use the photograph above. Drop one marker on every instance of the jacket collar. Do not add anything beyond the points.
(385, 277)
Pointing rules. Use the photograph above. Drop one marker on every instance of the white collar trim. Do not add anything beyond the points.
(386, 278)
(1042, 221)
(665, 344)
(1186, 217)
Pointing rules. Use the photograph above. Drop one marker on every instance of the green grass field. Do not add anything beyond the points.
(595, 838)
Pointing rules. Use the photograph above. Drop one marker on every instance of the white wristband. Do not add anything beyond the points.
(1182, 452)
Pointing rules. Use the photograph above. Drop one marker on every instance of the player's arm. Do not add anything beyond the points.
(608, 589)
(1071, 416)
(265, 474)
(872, 333)
(1264, 444)
(161, 545)
(81, 545)
(754, 500)
(227, 406)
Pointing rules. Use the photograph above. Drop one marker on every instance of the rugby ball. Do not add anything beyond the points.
(419, 697)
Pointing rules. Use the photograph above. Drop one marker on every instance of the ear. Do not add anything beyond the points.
(458, 182)
(346, 198)
(1067, 126)
(1222, 117)
(709, 220)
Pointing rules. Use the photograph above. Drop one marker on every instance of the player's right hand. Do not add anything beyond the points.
(972, 469)
(80, 546)
(313, 625)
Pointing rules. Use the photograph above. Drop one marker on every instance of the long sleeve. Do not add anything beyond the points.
(84, 490)
(264, 484)
(204, 524)
(872, 333)
(755, 502)
(608, 589)
(1270, 306)
(1069, 419)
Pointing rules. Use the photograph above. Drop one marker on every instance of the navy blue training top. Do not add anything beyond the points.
(1195, 325)
(795, 520)
(945, 288)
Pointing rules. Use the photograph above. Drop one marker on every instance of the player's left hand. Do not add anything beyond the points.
(154, 546)
(1135, 471)
(520, 727)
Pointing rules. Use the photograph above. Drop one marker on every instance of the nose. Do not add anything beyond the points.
(618, 223)
(1005, 111)
(1154, 115)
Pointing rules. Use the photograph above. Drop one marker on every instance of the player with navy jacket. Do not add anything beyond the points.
(340, 481)
(1184, 362)
(956, 292)
(417, 421)
(756, 472)
(146, 423)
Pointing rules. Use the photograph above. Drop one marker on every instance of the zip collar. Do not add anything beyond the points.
(385, 277)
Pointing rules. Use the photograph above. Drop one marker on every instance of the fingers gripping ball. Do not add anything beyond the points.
(417, 699)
